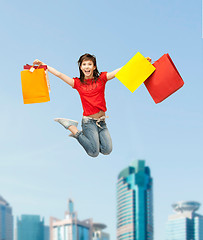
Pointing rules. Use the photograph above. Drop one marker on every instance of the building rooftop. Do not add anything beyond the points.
(99, 226)
(3, 201)
(186, 206)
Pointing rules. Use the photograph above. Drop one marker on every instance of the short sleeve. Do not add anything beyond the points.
(103, 76)
(75, 86)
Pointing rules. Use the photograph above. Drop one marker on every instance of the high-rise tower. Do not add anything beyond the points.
(186, 224)
(135, 203)
(30, 227)
(6, 220)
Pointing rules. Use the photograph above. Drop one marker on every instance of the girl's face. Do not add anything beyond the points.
(87, 67)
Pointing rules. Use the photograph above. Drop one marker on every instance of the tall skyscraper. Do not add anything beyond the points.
(135, 203)
(71, 228)
(185, 224)
(6, 220)
(30, 227)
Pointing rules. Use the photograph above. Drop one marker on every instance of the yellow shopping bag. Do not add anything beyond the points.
(135, 72)
(34, 86)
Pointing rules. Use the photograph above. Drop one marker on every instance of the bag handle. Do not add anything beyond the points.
(38, 65)
(32, 68)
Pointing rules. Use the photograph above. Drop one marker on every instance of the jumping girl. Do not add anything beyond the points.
(94, 137)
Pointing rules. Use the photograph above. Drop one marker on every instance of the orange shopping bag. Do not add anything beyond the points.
(27, 66)
(34, 86)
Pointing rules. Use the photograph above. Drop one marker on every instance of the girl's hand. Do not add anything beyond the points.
(38, 62)
(149, 59)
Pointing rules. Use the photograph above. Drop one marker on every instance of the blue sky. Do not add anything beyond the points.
(41, 167)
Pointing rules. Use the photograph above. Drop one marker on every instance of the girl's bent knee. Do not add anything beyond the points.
(106, 151)
(93, 154)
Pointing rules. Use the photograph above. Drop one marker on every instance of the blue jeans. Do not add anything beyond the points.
(94, 139)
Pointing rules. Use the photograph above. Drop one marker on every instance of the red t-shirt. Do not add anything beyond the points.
(92, 94)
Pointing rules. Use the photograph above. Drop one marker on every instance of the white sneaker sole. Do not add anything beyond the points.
(56, 119)
(66, 123)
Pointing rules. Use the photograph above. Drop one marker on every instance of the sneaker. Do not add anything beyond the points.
(66, 122)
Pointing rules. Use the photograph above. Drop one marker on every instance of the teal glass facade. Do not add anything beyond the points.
(83, 233)
(179, 229)
(71, 232)
(198, 227)
(3, 222)
(30, 227)
(185, 229)
(46, 233)
(6, 220)
(135, 203)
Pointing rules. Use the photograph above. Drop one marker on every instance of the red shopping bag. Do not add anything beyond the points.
(27, 66)
(165, 80)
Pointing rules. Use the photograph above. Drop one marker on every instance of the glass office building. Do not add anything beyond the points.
(185, 224)
(30, 227)
(71, 228)
(135, 203)
(6, 220)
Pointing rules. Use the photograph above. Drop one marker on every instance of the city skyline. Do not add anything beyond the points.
(185, 217)
(40, 165)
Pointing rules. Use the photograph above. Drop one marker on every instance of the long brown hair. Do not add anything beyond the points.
(92, 58)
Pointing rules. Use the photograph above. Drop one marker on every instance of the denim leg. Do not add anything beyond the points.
(89, 137)
(105, 139)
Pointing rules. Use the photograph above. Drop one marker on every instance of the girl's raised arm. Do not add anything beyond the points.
(58, 74)
(112, 74)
